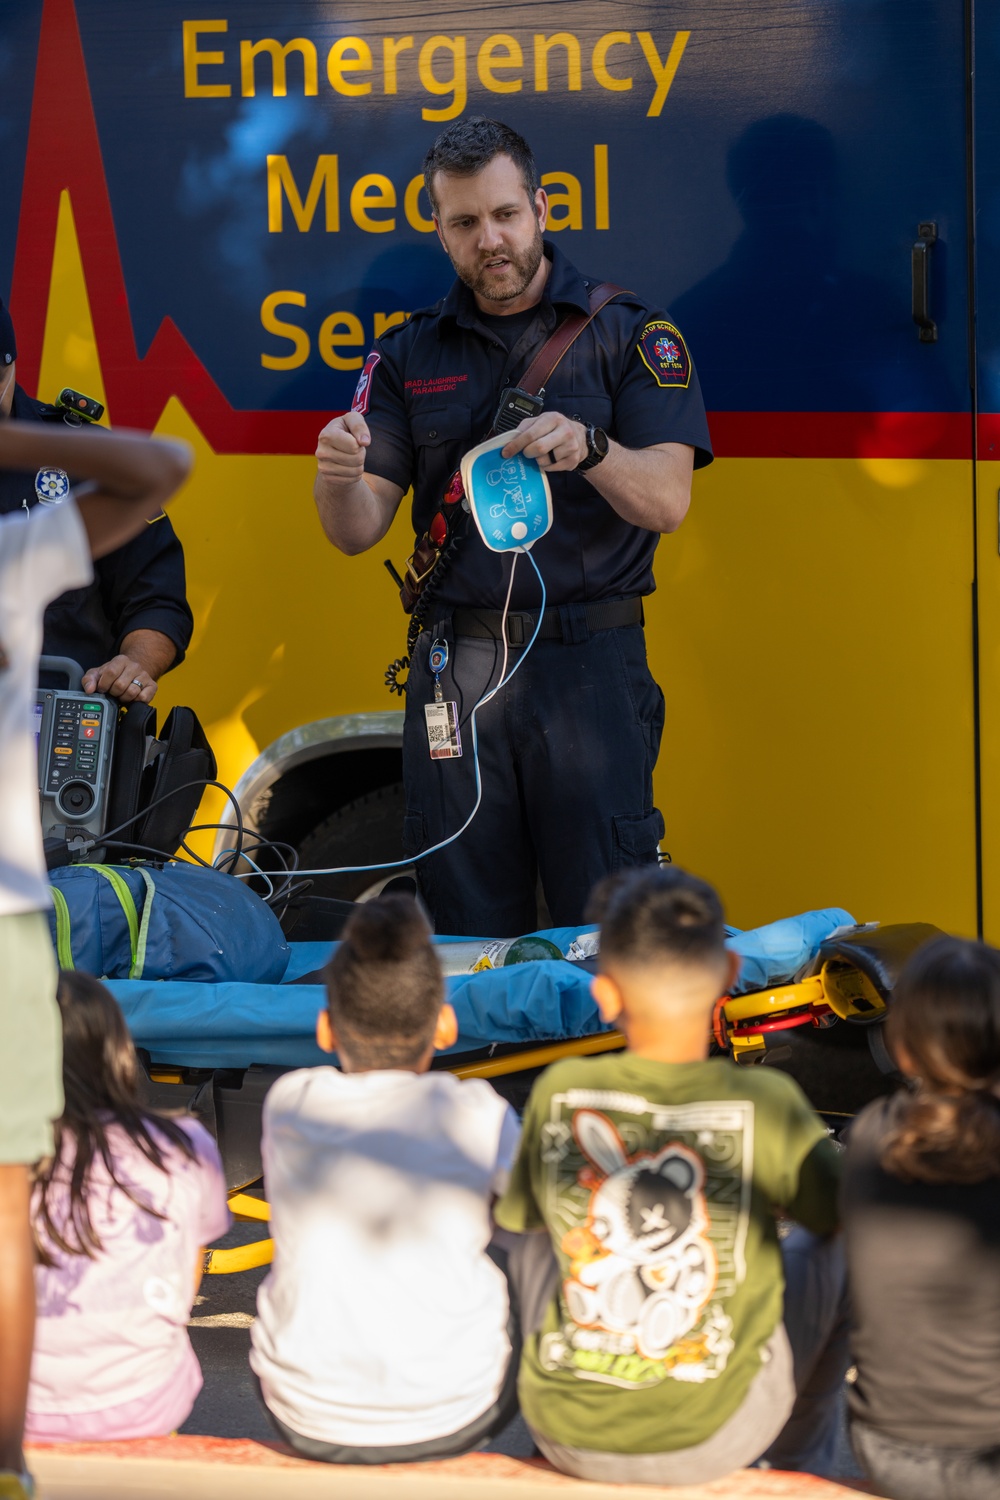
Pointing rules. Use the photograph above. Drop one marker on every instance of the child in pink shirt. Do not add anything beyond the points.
(120, 1213)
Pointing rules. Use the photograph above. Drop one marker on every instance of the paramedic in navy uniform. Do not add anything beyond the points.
(132, 623)
(567, 749)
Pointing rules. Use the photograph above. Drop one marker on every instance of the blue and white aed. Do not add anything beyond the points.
(509, 498)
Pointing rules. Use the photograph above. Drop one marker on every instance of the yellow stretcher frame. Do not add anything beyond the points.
(245, 1208)
(840, 991)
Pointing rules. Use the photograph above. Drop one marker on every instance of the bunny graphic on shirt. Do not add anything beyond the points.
(642, 1265)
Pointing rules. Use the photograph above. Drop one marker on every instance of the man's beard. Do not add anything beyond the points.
(520, 273)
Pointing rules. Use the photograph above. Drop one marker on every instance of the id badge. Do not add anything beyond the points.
(444, 741)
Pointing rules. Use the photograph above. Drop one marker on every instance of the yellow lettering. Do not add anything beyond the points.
(390, 51)
(571, 200)
(279, 72)
(282, 330)
(663, 73)
(602, 210)
(599, 62)
(373, 191)
(193, 59)
(543, 46)
(281, 184)
(411, 206)
(388, 320)
(501, 51)
(456, 85)
(340, 328)
(351, 54)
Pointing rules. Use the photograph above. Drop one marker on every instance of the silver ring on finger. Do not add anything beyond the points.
(137, 682)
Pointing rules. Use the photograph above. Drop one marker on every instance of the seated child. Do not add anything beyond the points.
(921, 1205)
(657, 1347)
(120, 1213)
(382, 1329)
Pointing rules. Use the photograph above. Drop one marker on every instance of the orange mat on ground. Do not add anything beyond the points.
(229, 1467)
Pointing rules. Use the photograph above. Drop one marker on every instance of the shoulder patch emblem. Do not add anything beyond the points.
(665, 354)
(364, 387)
(51, 485)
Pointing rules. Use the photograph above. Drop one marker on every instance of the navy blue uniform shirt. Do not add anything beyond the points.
(139, 586)
(429, 392)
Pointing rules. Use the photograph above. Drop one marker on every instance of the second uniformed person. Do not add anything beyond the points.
(133, 622)
(567, 749)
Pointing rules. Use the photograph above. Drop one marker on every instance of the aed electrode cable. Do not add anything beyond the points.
(505, 677)
(236, 853)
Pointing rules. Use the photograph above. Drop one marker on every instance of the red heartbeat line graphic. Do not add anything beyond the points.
(138, 389)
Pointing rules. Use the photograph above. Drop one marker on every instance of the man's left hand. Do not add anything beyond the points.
(123, 678)
(556, 442)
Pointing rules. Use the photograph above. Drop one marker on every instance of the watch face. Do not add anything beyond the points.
(600, 440)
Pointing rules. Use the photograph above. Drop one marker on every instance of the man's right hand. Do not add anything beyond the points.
(340, 452)
(355, 508)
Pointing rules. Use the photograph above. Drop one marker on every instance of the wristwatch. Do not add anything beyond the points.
(597, 447)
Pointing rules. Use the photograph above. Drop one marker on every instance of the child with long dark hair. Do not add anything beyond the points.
(120, 1212)
(922, 1224)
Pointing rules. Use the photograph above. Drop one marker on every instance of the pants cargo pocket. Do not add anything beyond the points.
(637, 838)
(414, 837)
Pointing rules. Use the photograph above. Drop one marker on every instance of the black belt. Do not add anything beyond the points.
(484, 624)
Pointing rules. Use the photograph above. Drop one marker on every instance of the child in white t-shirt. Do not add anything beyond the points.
(382, 1331)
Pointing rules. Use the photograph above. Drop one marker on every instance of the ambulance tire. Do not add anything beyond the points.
(367, 831)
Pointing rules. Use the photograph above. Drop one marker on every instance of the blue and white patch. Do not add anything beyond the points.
(51, 486)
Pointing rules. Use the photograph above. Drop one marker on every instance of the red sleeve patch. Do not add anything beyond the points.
(664, 353)
(364, 387)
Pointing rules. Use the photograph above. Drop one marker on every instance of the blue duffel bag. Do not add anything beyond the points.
(179, 922)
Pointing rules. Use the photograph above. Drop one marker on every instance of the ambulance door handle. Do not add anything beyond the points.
(921, 271)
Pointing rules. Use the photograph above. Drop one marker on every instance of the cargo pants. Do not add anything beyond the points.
(566, 756)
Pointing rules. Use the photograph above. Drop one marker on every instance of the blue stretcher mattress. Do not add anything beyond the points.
(237, 1025)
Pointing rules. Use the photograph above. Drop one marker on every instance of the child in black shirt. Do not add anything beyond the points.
(921, 1210)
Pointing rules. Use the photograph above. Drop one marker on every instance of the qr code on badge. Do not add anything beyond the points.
(444, 740)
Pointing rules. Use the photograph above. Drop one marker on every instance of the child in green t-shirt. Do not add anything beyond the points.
(658, 1347)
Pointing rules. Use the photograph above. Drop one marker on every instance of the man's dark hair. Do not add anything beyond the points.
(655, 914)
(468, 146)
(384, 985)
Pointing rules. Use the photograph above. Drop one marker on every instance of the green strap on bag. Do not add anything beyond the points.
(64, 948)
(137, 932)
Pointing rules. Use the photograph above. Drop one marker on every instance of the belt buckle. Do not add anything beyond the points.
(515, 630)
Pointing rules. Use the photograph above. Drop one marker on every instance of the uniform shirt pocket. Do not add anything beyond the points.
(596, 409)
(446, 424)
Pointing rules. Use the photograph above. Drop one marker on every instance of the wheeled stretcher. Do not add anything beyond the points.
(215, 1049)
